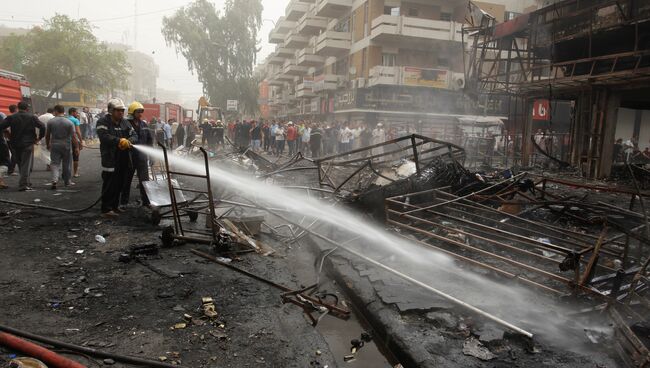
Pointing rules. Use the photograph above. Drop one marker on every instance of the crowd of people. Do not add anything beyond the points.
(312, 139)
(63, 133)
(23, 133)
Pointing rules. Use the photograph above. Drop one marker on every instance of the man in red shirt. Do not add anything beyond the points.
(292, 134)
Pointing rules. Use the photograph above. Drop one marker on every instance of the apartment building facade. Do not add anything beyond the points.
(391, 61)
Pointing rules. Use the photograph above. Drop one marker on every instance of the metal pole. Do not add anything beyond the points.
(465, 196)
(172, 194)
(415, 155)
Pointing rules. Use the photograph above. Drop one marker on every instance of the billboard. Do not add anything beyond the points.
(420, 77)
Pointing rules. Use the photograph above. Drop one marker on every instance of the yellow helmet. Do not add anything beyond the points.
(135, 105)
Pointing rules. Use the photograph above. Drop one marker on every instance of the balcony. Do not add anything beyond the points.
(276, 38)
(332, 43)
(292, 69)
(326, 82)
(304, 89)
(276, 60)
(284, 77)
(311, 25)
(409, 76)
(306, 57)
(283, 26)
(333, 8)
(295, 10)
(284, 52)
(295, 40)
(416, 32)
(275, 81)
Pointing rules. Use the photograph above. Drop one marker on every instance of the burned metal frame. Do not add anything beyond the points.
(480, 235)
(351, 164)
(179, 210)
(487, 231)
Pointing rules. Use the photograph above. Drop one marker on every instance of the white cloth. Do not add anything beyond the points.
(45, 118)
(346, 135)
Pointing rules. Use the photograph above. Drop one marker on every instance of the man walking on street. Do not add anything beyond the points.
(73, 116)
(83, 128)
(12, 160)
(292, 136)
(139, 162)
(316, 136)
(116, 135)
(49, 115)
(23, 127)
(4, 153)
(279, 140)
(60, 139)
(256, 136)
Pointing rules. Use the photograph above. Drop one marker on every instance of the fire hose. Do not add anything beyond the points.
(36, 351)
(76, 348)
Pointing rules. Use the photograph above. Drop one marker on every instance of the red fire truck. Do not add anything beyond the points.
(165, 111)
(14, 88)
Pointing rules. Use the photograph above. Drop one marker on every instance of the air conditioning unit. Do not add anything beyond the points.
(458, 81)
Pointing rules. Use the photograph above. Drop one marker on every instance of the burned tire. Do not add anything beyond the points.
(193, 215)
(167, 237)
(156, 217)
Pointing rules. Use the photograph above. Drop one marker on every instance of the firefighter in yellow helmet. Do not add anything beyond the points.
(139, 162)
(116, 137)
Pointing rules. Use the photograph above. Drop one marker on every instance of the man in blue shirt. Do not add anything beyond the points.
(73, 116)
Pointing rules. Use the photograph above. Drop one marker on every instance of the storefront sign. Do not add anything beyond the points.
(419, 77)
(541, 110)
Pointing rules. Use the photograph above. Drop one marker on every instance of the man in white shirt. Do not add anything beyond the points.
(39, 150)
(346, 137)
(378, 136)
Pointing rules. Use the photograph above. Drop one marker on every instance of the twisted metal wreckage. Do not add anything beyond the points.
(552, 235)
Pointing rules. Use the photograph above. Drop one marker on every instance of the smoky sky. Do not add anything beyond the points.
(114, 21)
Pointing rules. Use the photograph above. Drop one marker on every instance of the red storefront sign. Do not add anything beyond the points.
(541, 110)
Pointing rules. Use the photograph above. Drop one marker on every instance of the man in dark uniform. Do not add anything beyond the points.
(116, 135)
(139, 162)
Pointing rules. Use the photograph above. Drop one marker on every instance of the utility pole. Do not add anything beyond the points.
(135, 25)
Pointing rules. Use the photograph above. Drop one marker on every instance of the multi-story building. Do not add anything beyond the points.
(142, 81)
(392, 61)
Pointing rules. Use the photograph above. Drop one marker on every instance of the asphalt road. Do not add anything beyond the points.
(57, 280)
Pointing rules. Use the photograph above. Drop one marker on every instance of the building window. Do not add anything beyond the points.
(365, 20)
(389, 10)
(388, 59)
(511, 15)
(343, 25)
(341, 67)
(413, 12)
(445, 17)
(364, 61)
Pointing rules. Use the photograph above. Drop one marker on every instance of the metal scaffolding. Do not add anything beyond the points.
(584, 51)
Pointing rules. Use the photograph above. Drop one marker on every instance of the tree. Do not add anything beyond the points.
(64, 53)
(220, 47)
